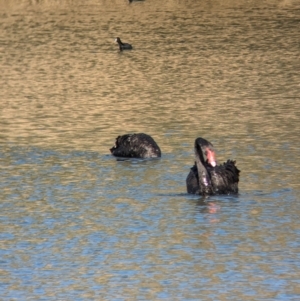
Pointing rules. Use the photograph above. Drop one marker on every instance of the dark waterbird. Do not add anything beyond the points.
(123, 46)
(208, 178)
(130, 1)
(135, 146)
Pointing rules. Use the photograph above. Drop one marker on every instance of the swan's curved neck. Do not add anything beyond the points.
(203, 176)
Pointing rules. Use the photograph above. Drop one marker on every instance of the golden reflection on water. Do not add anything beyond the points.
(224, 70)
(228, 72)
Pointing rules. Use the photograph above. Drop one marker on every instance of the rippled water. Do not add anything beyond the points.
(78, 225)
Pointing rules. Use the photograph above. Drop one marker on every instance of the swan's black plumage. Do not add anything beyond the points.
(135, 146)
(123, 46)
(208, 178)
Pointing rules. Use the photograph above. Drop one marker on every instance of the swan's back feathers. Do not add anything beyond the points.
(225, 178)
(136, 146)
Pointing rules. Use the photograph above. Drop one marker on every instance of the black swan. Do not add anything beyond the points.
(123, 46)
(135, 146)
(208, 178)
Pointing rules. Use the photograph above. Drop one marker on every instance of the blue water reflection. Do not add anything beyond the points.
(70, 228)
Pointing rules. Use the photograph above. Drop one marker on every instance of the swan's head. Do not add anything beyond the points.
(116, 145)
(205, 150)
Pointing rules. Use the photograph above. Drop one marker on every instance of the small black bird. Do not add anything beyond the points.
(134, 0)
(123, 46)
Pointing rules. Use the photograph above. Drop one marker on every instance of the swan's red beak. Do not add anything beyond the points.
(211, 157)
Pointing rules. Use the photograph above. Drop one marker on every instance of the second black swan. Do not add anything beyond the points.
(135, 146)
(208, 178)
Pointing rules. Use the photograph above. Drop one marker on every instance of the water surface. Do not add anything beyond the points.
(76, 224)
